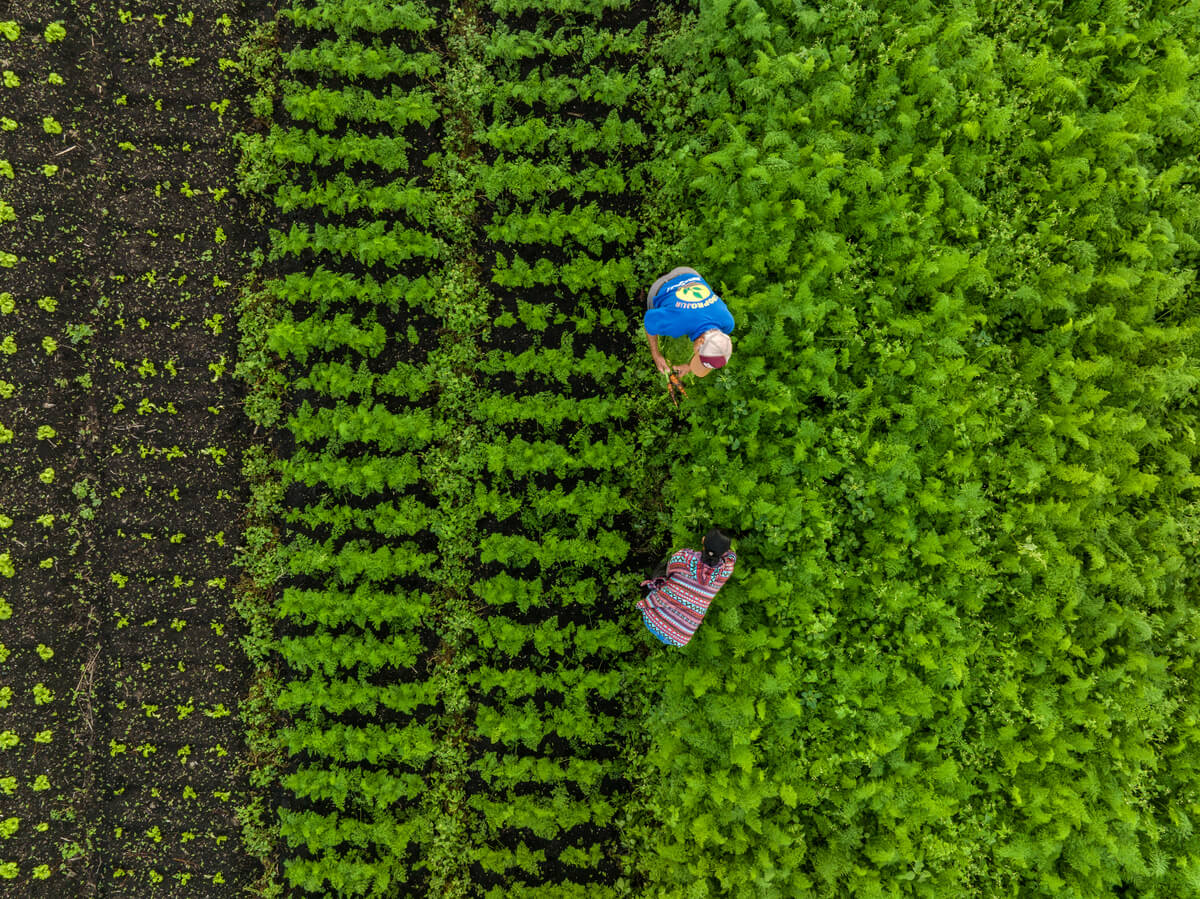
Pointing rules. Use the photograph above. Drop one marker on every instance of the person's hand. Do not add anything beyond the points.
(662, 365)
(682, 369)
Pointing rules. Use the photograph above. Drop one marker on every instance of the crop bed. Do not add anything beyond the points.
(334, 455)
(431, 354)
(123, 502)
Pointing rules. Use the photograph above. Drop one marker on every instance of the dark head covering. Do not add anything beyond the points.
(716, 544)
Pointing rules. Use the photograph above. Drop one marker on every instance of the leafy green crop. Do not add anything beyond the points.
(950, 437)
(953, 442)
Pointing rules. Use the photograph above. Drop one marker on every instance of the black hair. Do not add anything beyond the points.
(716, 544)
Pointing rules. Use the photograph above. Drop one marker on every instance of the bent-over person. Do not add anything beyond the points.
(682, 304)
(682, 588)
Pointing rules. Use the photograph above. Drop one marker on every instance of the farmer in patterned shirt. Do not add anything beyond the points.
(681, 304)
(683, 586)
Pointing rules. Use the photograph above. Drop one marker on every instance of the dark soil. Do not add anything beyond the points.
(146, 753)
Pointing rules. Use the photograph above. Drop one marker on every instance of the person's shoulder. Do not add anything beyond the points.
(679, 557)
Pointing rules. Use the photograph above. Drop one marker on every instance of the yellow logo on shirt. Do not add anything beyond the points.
(693, 293)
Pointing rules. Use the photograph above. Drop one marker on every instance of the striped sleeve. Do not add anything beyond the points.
(681, 561)
(721, 573)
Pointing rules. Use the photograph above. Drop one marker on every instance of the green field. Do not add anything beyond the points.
(334, 454)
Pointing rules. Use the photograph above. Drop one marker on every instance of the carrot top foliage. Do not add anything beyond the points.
(958, 442)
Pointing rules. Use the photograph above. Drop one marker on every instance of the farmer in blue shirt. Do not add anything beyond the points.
(681, 304)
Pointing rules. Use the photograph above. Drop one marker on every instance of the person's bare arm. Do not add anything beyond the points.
(660, 361)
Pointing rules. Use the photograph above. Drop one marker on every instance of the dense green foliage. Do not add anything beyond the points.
(954, 442)
(958, 438)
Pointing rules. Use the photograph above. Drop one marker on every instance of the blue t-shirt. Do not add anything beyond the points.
(687, 307)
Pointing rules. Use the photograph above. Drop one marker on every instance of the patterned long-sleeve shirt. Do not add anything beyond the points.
(675, 606)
